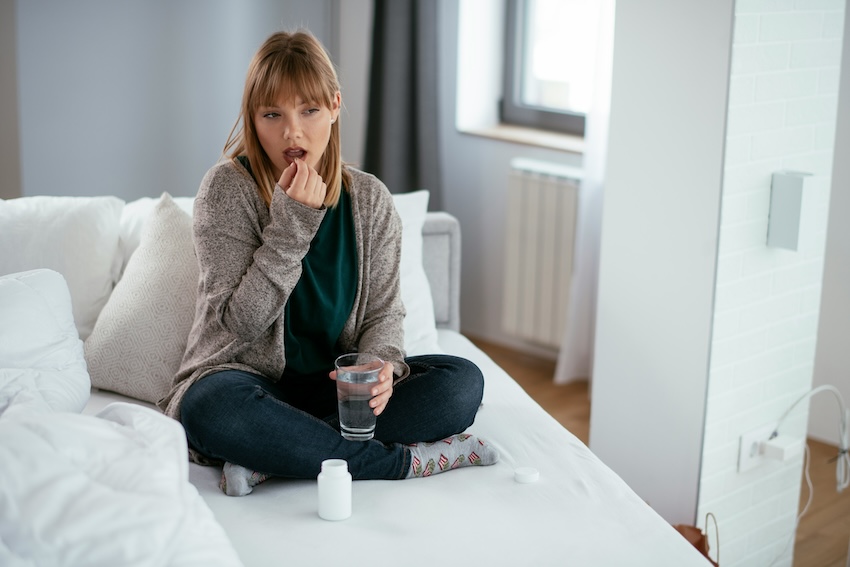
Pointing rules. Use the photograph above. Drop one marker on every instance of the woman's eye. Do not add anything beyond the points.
(270, 115)
(311, 111)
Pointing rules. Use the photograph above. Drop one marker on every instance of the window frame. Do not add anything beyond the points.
(511, 108)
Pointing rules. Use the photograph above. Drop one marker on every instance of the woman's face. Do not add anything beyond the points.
(294, 128)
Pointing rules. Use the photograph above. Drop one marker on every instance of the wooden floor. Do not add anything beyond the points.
(823, 533)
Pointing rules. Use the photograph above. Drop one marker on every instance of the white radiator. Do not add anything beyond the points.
(539, 249)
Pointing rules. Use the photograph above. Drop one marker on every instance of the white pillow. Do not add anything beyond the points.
(41, 354)
(138, 341)
(420, 329)
(133, 218)
(76, 236)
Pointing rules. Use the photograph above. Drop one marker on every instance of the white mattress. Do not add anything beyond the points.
(579, 512)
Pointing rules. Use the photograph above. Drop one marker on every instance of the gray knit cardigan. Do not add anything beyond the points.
(250, 260)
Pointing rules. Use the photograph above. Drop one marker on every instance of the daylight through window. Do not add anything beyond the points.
(550, 62)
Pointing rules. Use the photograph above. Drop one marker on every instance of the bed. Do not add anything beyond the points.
(577, 512)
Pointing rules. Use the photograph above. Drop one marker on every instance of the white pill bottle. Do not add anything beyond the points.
(334, 490)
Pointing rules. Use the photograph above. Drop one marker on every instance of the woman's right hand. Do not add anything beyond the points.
(303, 184)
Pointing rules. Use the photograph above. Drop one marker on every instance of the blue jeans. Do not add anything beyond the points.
(288, 428)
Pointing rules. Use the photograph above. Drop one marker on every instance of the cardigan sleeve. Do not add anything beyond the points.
(381, 328)
(248, 270)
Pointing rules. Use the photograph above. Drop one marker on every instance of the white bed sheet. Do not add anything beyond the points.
(578, 513)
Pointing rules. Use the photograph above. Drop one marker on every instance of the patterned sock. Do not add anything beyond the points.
(239, 481)
(457, 451)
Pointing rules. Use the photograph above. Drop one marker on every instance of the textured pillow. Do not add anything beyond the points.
(41, 354)
(133, 218)
(75, 236)
(420, 329)
(138, 341)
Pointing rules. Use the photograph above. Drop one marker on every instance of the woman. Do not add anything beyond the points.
(299, 263)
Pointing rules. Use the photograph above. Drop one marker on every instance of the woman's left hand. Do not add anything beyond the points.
(382, 391)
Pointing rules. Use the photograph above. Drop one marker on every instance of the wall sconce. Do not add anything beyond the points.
(786, 203)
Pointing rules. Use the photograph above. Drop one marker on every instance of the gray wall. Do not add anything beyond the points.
(10, 165)
(136, 98)
(355, 37)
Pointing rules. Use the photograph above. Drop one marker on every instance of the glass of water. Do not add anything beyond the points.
(356, 374)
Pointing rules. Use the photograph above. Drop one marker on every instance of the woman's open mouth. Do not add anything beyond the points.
(291, 154)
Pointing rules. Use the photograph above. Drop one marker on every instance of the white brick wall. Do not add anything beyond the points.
(782, 110)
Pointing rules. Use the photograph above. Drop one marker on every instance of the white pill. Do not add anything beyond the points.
(526, 475)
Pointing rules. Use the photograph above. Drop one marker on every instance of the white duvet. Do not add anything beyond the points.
(102, 490)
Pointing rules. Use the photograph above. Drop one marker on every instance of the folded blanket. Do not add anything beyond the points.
(107, 490)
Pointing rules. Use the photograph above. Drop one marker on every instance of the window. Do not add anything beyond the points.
(550, 51)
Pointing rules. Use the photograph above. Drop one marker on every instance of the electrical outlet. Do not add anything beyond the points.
(783, 447)
(749, 451)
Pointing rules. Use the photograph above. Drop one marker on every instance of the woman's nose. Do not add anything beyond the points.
(292, 129)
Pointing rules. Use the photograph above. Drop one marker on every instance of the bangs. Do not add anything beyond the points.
(288, 77)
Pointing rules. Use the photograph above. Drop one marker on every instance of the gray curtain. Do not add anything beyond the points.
(401, 128)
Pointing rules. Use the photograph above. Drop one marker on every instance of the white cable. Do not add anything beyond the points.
(842, 466)
(808, 457)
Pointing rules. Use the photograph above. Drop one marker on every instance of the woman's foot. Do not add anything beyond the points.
(462, 450)
(239, 481)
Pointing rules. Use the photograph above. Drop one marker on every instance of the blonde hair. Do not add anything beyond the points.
(288, 64)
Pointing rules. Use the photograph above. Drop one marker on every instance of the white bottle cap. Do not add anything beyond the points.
(335, 467)
(526, 475)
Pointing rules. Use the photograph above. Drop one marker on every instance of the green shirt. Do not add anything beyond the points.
(322, 300)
